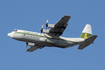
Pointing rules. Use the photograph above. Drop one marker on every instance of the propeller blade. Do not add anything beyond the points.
(26, 45)
(42, 26)
(41, 29)
(47, 21)
(46, 24)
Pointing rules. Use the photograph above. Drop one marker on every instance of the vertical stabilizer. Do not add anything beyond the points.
(87, 31)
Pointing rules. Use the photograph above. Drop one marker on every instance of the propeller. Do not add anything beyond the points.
(46, 24)
(26, 44)
(41, 29)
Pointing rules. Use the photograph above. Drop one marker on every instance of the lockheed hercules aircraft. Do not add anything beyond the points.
(52, 37)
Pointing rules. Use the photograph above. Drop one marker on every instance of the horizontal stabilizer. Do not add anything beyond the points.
(87, 42)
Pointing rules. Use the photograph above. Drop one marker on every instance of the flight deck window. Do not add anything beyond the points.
(15, 30)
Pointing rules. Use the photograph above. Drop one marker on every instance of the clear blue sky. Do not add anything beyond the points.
(32, 14)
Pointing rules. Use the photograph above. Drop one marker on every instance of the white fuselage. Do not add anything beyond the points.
(44, 39)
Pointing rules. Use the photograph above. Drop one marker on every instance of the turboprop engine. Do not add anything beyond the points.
(30, 44)
(49, 25)
(34, 45)
(45, 31)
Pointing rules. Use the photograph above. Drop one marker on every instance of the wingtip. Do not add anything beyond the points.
(67, 16)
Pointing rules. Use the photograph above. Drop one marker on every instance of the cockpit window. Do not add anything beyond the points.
(15, 30)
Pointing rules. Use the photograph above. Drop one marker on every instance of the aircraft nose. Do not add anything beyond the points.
(9, 34)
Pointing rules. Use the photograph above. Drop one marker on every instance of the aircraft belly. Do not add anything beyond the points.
(62, 43)
(57, 43)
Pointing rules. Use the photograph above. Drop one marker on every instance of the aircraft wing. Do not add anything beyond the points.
(32, 48)
(59, 27)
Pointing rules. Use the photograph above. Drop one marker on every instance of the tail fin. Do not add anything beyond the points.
(87, 32)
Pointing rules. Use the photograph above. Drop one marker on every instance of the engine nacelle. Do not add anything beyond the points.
(31, 44)
(50, 25)
(45, 31)
(34, 45)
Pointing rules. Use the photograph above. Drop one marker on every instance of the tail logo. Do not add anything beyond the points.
(85, 36)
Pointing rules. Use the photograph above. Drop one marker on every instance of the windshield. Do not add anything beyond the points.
(15, 30)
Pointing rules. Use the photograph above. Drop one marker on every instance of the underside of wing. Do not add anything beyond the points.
(32, 48)
(59, 27)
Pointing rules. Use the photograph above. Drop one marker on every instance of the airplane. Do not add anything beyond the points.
(52, 37)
